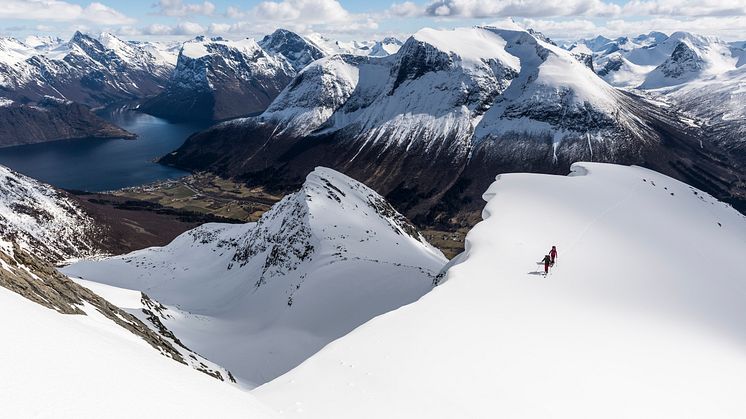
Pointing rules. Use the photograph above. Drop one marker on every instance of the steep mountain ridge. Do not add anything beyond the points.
(260, 298)
(84, 70)
(217, 79)
(692, 57)
(41, 227)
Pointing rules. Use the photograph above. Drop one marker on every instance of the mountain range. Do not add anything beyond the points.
(333, 303)
(455, 107)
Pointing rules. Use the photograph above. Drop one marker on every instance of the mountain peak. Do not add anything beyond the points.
(321, 262)
(293, 47)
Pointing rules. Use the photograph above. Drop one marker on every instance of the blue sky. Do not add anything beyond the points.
(366, 19)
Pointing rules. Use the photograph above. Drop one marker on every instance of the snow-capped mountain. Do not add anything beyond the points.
(624, 62)
(385, 47)
(295, 49)
(373, 48)
(452, 107)
(260, 298)
(217, 79)
(693, 57)
(86, 70)
(701, 76)
(656, 60)
(635, 319)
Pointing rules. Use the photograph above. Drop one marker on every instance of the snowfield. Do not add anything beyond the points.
(261, 298)
(68, 366)
(643, 316)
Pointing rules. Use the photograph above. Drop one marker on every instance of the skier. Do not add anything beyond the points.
(553, 254)
(547, 261)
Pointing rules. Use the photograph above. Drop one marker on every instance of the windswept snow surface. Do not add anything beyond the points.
(68, 366)
(260, 298)
(643, 316)
(472, 46)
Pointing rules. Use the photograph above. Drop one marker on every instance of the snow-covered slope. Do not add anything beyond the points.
(40, 227)
(260, 298)
(702, 76)
(693, 57)
(451, 106)
(656, 60)
(87, 367)
(642, 316)
(386, 46)
(43, 220)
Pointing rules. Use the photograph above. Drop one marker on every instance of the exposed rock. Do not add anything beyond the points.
(51, 120)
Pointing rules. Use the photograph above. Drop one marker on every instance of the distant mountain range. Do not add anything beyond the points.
(430, 125)
(203, 79)
(453, 107)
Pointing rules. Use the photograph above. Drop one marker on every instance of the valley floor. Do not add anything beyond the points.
(209, 194)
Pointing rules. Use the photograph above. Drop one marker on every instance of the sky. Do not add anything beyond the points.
(366, 19)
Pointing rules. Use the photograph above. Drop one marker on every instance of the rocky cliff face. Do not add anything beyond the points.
(217, 79)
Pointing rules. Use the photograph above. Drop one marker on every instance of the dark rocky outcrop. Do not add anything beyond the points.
(50, 120)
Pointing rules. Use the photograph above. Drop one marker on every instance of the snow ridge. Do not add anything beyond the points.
(631, 307)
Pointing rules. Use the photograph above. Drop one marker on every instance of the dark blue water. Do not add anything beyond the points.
(99, 165)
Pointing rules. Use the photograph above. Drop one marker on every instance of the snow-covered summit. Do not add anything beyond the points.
(692, 57)
(294, 48)
(386, 46)
(366, 48)
(13, 51)
(218, 79)
(260, 298)
(637, 318)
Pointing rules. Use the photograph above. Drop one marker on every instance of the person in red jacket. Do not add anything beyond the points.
(553, 254)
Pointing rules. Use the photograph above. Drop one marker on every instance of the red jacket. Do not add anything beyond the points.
(553, 253)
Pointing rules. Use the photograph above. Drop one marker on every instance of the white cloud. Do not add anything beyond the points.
(406, 9)
(724, 8)
(181, 9)
(181, 29)
(310, 11)
(328, 16)
(523, 8)
(731, 27)
(62, 11)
